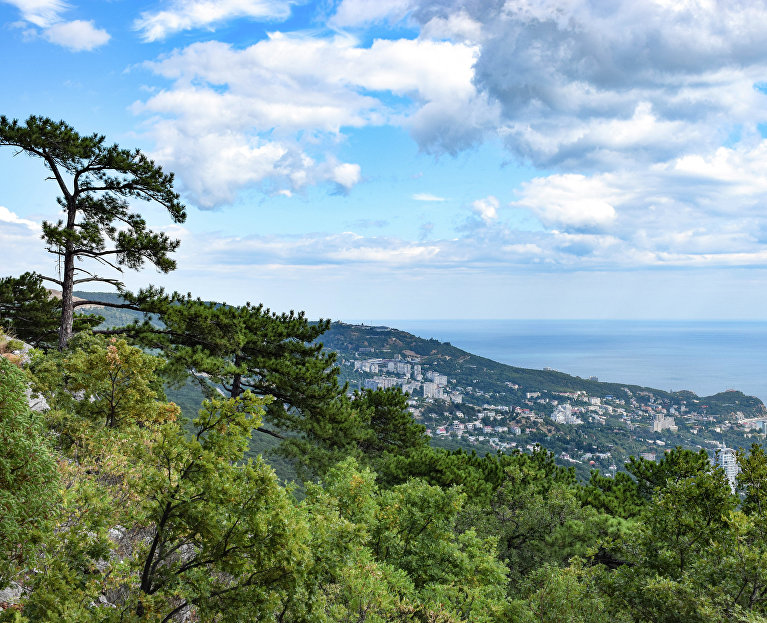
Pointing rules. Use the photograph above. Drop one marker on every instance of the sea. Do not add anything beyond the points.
(705, 357)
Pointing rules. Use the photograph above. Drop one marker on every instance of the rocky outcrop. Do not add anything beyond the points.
(10, 596)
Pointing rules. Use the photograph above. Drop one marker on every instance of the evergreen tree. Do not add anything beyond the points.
(390, 423)
(675, 465)
(248, 347)
(29, 311)
(97, 182)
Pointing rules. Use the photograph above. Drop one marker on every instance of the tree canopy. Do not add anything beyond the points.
(29, 310)
(98, 183)
(115, 508)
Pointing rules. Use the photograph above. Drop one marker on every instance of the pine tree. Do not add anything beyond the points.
(29, 311)
(97, 183)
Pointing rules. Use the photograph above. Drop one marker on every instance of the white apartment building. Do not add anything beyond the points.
(727, 460)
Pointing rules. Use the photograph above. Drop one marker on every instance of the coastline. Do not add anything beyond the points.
(702, 356)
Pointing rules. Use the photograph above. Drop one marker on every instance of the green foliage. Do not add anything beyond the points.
(479, 476)
(618, 496)
(538, 518)
(28, 483)
(375, 428)
(251, 348)
(685, 517)
(97, 182)
(152, 519)
(105, 177)
(158, 522)
(32, 314)
(390, 423)
(223, 536)
(571, 594)
(419, 563)
(675, 552)
(752, 481)
(104, 380)
(675, 465)
(327, 435)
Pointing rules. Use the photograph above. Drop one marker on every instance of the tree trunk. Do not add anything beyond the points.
(67, 310)
(236, 379)
(236, 386)
(67, 284)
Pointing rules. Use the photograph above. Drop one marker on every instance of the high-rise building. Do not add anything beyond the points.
(727, 460)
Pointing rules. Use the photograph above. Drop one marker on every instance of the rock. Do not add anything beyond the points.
(36, 402)
(11, 595)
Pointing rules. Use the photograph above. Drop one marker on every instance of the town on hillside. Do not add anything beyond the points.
(464, 401)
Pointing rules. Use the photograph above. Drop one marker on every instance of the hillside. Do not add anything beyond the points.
(475, 403)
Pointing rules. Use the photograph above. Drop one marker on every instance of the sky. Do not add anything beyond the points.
(367, 159)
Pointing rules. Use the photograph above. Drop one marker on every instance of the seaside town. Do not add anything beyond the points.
(587, 429)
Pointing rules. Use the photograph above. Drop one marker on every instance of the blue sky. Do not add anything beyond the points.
(364, 159)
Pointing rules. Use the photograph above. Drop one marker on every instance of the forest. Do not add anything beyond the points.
(116, 508)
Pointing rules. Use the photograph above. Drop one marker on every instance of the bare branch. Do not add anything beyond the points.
(261, 429)
(114, 282)
(108, 304)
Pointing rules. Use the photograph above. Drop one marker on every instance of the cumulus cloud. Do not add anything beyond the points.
(458, 26)
(643, 219)
(6, 216)
(583, 84)
(346, 175)
(483, 219)
(21, 245)
(570, 201)
(695, 210)
(272, 112)
(76, 35)
(626, 106)
(486, 209)
(192, 14)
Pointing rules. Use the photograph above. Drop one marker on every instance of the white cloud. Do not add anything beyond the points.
(486, 209)
(702, 210)
(213, 164)
(583, 84)
(22, 249)
(41, 13)
(427, 197)
(273, 112)
(316, 249)
(456, 26)
(192, 14)
(569, 200)
(346, 175)
(360, 12)
(76, 35)
(6, 216)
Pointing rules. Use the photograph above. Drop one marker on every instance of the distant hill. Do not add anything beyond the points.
(484, 405)
(472, 370)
